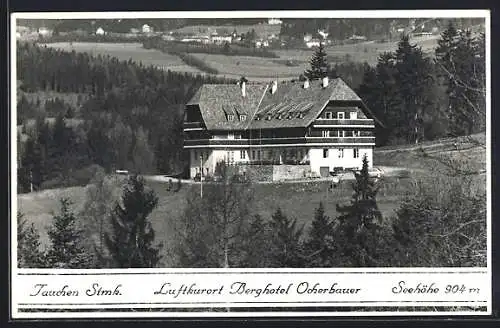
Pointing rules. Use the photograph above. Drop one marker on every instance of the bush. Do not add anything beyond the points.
(198, 63)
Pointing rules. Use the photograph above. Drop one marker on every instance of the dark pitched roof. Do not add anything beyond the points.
(216, 101)
(290, 106)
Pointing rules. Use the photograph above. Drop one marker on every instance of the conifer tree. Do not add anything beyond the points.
(131, 237)
(319, 64)
(255, 248)
(286, 248)
(318, 244)
(67, 249)
(29, 254)
(461, 61)
(356, 234)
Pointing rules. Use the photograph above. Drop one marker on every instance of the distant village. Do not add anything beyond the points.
(266, 37)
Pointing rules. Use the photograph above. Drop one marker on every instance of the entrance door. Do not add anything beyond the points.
(324, 171)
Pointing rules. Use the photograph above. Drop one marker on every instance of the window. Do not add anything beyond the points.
(354, 133)
(230, 135)
(243, 117)
(353, 115)
(341, 152)
(230, 117)
(340, 115)
(237, 136)
(325, 153)
(253, 154)
(325, 134)
(356, 152)
(328, 115)
(242, 154)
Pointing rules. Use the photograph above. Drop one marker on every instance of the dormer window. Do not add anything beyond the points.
(243, 117)
(328, 115)
(353, 115)
(268, 117)
(340, 115)
(230, 117)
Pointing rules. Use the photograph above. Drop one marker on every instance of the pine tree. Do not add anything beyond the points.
(356, 235)
(255, 248)
(317, 246)
(286, 248)
(67, 249)
(319, 64)
(415, 84)
(130, 241)
(29, 254)
(460, 60)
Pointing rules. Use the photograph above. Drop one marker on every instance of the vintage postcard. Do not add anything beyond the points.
(250, 163)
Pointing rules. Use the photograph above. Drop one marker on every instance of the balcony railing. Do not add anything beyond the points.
(358, 122)
(278, 141)
(192, 125)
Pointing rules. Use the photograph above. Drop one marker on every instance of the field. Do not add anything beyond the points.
(235, 66)
(368, 51)
(254, 68)
(126, 51)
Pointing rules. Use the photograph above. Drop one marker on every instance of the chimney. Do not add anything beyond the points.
(274, 87)
(325, 81)
(306, 84)
(243, 88)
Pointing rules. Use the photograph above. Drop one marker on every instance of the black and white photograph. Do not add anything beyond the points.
(252, 142)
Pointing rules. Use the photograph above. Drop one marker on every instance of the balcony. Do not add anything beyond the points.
(321, 123)
(273, 142)
(193, 125)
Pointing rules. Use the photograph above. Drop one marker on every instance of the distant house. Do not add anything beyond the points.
(323, 34)
(261, 43)
(358, 37)
(100, 31)
(200, 39)
(43, 31)
(168, 37)
(274, 21)
(146, 29)
(307, 37)
(313, 43)
(220, 39)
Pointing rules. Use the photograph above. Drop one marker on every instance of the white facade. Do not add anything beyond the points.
(343, 157)
(348, 157)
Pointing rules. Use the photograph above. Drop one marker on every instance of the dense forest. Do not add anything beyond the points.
(132, 119)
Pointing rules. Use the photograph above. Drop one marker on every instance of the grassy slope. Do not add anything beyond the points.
(297, 201)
